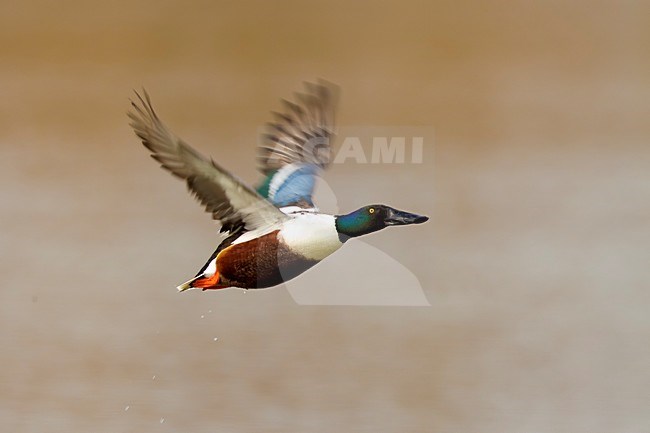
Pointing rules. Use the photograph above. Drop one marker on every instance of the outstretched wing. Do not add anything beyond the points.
(297, 146)
(231, 202)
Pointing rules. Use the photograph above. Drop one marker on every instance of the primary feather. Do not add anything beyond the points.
(297, 146)
(230, 201)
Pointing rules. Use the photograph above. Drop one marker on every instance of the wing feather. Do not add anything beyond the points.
(303, 132)
(297, 145)
(230, 201)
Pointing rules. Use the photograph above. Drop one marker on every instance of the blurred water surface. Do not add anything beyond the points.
(535, 260)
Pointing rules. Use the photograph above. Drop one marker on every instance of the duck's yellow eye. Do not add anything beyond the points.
(371, 210)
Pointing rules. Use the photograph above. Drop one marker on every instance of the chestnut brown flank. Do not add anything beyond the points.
(259, 263)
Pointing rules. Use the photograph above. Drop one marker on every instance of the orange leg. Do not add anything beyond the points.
(208, 283)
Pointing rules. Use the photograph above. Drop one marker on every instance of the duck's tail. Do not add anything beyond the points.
(207, 278)
(188, 284)
(202, 282)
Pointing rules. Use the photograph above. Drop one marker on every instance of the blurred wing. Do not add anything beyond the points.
(297, 145)
(231, 202)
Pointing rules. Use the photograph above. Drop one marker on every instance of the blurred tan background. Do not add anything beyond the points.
(535, 260)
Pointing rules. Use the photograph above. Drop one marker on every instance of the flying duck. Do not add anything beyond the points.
(275, 232)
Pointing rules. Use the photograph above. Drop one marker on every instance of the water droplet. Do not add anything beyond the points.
(126, 408)
(153, 377)
(215, 338)
(162, 420)
(202, 316)
(209, 311)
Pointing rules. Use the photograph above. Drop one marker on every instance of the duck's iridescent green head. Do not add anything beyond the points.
(371, 218)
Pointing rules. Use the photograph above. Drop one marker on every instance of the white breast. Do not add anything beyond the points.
(311, 235)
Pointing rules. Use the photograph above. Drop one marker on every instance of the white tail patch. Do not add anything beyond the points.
(211, 268)
(209, 271)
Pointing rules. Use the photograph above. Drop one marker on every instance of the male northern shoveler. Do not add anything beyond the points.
(275, 233)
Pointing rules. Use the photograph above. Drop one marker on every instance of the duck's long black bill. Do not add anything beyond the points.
(400, 218)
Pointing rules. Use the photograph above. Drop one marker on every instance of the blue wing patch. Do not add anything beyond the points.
(293, 184)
